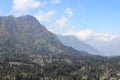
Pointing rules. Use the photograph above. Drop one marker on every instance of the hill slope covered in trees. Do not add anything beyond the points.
(28, 51)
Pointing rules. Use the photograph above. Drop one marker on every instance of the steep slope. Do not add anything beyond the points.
(25, 35)
(77, 44)
(28, 51)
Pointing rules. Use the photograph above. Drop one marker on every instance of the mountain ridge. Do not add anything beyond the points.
(26, 35)
(77, 44)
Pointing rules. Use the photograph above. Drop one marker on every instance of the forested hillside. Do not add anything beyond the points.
(28, 51)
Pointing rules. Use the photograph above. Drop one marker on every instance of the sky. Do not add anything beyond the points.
(85, 19)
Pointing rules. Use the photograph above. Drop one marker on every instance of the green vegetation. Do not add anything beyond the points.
(58, 67)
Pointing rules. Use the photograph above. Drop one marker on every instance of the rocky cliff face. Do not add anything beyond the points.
(26, 35)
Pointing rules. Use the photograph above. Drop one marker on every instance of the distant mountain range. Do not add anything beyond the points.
(77, 44)
(25, 35)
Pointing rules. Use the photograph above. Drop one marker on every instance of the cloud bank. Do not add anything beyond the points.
(91, 34)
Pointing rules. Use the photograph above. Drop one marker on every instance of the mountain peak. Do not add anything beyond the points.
(27, 36)
(27, 17)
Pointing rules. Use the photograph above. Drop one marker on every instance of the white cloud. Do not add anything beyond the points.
(69, 12)
(85, 34)
(88, 34)
(24, 5)
(63, 21)
(106, 37)
(43, 17)
(56, 1)
(82, 35)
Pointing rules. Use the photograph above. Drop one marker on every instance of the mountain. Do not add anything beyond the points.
(72, 41)
(25, 35)
(28, 51)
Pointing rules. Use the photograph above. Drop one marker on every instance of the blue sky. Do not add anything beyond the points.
(93, 21)
(100, 15)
